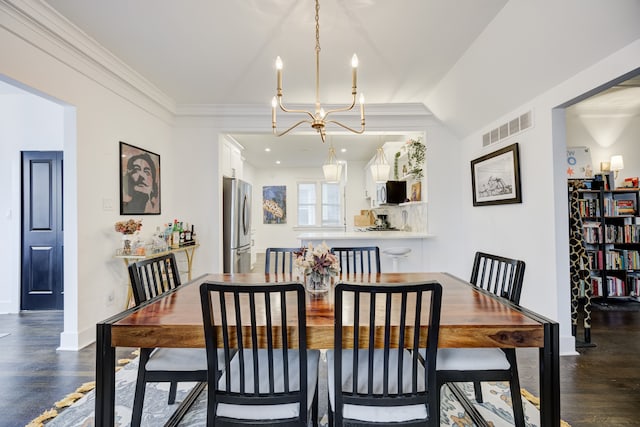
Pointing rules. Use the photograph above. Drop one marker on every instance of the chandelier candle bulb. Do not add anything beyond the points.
(362, 108)
(279, 75)
(274, 103)
(354, 71)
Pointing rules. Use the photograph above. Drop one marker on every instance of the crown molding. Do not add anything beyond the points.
(40, 25)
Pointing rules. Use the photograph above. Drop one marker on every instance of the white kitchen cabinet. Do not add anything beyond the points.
(231, 159)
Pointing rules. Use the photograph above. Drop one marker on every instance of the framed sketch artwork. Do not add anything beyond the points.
(495, 178)
(139, 181)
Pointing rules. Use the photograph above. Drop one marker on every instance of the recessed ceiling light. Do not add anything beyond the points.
(343, 150)
(267, 149)
(277, 162)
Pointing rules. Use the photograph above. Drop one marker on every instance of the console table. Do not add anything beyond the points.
(188, 250)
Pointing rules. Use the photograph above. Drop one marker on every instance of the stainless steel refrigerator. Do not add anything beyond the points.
(236, 217)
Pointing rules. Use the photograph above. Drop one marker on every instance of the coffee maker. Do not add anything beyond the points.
(382, 223)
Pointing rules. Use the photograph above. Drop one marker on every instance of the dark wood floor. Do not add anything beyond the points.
(601, 387)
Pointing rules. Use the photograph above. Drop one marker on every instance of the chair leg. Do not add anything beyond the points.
(314, 408)
(477, 388)
(138, 399)
(173, 389)
(514, 385)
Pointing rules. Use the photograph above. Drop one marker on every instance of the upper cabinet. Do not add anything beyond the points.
(230, 159)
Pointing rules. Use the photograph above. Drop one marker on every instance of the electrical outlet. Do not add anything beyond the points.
(111, 297)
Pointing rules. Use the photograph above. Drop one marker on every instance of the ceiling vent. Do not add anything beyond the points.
(512, 127)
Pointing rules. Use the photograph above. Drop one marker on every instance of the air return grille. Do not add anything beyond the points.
(512, 127)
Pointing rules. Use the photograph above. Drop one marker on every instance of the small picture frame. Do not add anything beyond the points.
(495, 177)
(416, 191)
(139, 181)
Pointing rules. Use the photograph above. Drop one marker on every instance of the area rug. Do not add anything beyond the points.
(496, 409)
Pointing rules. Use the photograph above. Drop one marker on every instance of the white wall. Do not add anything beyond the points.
(29, 123)
(607, 134)
(106, 114)
(537, 230)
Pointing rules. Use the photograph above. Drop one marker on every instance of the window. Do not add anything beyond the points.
(319, 204)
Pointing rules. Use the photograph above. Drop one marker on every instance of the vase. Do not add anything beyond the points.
(126, 244)
(318, 283)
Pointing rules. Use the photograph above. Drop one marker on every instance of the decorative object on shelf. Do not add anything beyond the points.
(616, 164)
(416, 151)
(128, 229)
(318, 266)
(495, 177)
(332, 169)
(579, 163)
(318, 119)
(416, 190)
(274, 204)
(139, 181)
(380, 167)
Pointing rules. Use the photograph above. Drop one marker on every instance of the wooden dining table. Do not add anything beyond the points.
(470, 318)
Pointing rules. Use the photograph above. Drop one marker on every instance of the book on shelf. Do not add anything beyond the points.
(624, 207)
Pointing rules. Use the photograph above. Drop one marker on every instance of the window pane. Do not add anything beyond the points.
(306, 194)
(307, 215)
(331, 204)
(307, 204)
(330, 193)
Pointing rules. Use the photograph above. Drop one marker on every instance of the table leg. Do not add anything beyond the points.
(189, 253)
(105, 377)
(127, 303)
(550, 377)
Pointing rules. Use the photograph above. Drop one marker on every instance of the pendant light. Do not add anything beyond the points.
(380, 167)
(332, 169)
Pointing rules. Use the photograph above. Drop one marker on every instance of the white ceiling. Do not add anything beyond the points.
(214, 52)
(222, 52)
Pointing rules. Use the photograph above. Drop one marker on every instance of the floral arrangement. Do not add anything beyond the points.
(128, 227)
(317, 262)
(416, 151)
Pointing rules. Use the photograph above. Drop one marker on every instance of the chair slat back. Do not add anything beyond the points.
(412, 309)
(279, 260)
(499, 275)
(273, 332)
(360, 259)
(153, 277)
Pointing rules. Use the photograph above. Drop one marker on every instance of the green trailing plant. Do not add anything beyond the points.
(416, 152)
(395, 165)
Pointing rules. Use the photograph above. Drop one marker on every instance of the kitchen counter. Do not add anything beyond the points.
(415, 261)
(362, 235)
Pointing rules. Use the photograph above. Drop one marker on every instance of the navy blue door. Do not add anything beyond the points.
(42, 232)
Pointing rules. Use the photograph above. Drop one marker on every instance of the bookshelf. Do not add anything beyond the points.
(611, 231)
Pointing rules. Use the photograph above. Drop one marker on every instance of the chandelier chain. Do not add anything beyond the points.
(317, 26)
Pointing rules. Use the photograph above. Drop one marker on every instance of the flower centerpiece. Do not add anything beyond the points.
(127, 228)
(416, 151)
(318, 265)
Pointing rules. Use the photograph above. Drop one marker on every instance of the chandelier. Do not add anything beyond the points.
(318, 119)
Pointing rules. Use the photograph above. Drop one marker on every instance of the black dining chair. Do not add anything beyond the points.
(153, 278)
(388, 385)
(502, 277)
(272, 379)
(358, 259)
(280, 260)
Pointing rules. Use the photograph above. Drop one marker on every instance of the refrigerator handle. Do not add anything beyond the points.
(245, 215)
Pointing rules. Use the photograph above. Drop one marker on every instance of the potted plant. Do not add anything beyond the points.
(416, 151)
